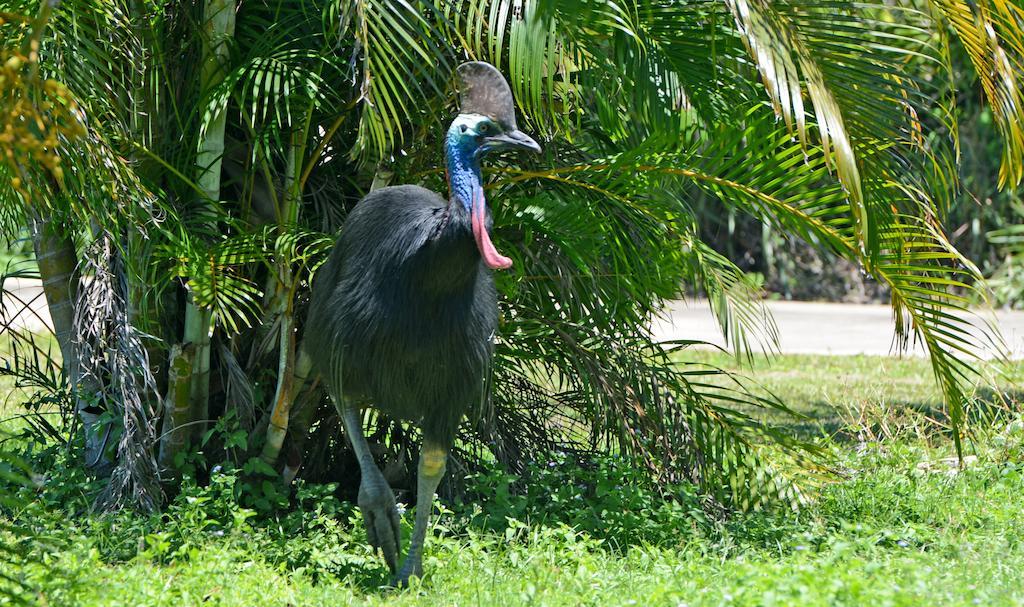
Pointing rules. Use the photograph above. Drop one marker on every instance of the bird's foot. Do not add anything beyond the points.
(383, 525)
(409, 569)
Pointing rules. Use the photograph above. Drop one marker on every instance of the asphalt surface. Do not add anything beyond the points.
(24, 306)
(830, 328)
(804, 327)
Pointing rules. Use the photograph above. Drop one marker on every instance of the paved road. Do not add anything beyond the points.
(24, 305)
(823, 328)
(804, 327)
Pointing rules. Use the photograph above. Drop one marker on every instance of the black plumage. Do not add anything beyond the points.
(404, 311)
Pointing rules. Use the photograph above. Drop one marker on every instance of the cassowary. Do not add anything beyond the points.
(404, 311)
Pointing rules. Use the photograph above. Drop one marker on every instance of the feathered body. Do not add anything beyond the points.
(404, 310)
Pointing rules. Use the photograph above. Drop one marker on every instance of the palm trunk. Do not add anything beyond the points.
(177, 409)
(284, 300)
(197, 340)
(58, 269)
(55, 255)
(278, 426)
(301, 416)
(218, 28)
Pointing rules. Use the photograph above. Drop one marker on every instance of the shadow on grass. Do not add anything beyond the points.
(889, 420)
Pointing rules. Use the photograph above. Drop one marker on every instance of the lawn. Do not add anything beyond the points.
(898, 525)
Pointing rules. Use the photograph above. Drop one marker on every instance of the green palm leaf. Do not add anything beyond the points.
(990, 32)
(403, 63)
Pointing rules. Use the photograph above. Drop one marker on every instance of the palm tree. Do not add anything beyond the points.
(833, 122)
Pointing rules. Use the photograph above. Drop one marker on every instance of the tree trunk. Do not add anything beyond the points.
(197, 341)
(218, 29)
(177, 409)
(283, 398)
(55, 255)
(284, 300)
(301, 415)
(58, 269)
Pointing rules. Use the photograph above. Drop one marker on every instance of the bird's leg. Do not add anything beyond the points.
(376, 500)
(433, 457)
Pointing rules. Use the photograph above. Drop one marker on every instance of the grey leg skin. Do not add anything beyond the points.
(376, 499)
(433, 457)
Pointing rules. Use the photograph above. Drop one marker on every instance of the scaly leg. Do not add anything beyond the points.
(376, 499)
(433, 457)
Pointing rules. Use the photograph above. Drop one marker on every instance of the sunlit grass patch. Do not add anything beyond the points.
(898, 524)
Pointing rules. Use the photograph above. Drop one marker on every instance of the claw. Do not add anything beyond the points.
(383, 525)
(388, 541)
(401, 579)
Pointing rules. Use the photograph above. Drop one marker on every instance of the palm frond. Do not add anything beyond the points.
(112, 355)
(402, 63)
(736, 300)
(991, 33)
(923, 270)
(851, 64)
(215, 275)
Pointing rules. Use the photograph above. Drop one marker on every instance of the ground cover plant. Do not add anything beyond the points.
(899, 524)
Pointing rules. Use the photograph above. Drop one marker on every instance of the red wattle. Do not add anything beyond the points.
(491, 256)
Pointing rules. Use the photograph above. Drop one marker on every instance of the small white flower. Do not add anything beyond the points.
(400, 507)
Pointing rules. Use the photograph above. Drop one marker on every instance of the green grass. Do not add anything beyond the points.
(14, 390)
(898, 526)
(816, 384)
(835, 392)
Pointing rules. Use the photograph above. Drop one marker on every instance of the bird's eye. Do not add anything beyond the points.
(484, 128)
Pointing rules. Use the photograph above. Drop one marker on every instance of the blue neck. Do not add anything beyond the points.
(463, 168)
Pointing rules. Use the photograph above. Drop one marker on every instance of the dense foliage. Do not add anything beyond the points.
(191, 161)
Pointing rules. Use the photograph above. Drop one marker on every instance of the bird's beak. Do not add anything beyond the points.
(514, 139)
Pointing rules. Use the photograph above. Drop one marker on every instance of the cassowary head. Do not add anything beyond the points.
(486, 123)
(487, 116)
